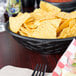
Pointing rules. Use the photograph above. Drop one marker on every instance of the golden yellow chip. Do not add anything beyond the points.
(31, 25)
(72, 23)
(73, 31)
(63, 20)
(22, 33)
(54, 22)
(37, 23)
(20, 13)
(49, 7)
(45, 31)
(24, 30)
(73, 12)
(25, 26)
(68, 32)
(72, 15)
(16, 22)
(64, 33)
(63, 15)
(27, 31)
(64, 25)
(40, 14)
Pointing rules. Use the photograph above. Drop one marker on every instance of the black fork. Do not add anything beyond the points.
(39, 70)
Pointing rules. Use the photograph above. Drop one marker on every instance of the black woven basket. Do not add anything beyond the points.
(44, 46)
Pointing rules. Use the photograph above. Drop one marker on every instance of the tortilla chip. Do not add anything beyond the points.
(68, 32)
(22, 33)
(64, 33)
(73, 12)
(63, 15)
(72, 23)
(72, 15)
(45, 31)
(16, 22)
(55, 22)
(49, 7)
(28, 32)
(26, 26)
(63, 20)
(20, 13)
(40, 14)
(73, 31)
(31, 25)
(64, 25)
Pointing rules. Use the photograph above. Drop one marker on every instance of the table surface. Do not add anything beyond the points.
(13, 53)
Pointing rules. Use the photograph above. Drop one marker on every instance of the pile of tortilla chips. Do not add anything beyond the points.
(46, 22)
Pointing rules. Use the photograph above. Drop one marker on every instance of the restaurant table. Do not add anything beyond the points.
(13, 53)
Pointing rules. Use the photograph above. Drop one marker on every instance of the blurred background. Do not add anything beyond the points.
(15, 6)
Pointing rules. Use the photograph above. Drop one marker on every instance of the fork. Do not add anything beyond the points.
(39, 70)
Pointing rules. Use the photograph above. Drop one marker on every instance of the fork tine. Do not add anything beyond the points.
(38, 70)
(41, 69)
(44, 70)
(35, 70)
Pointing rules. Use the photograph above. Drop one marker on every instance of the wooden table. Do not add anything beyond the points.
(13, 53)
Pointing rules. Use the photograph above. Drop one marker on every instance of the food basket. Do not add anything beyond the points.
(43, 46)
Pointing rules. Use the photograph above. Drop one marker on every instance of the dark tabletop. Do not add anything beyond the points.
(13, 53)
